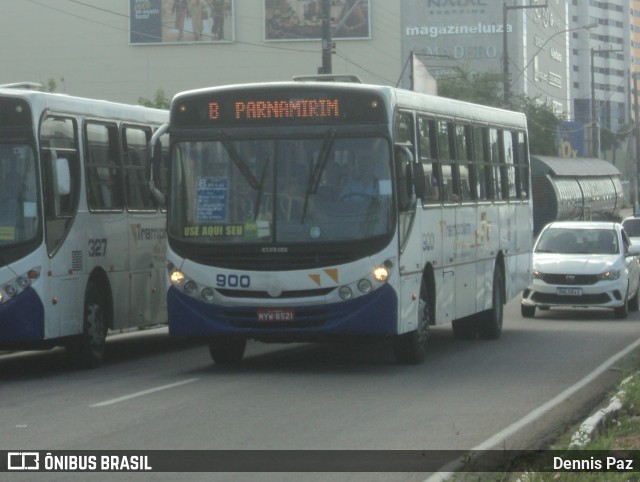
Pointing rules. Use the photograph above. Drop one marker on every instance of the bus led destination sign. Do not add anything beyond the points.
(282, 106)
(280, 109)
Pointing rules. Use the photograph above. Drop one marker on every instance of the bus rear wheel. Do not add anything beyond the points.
(227, 351)
(411, 348)
(88, 349)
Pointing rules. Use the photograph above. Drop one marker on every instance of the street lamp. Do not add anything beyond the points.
(591, 26)
(505, 46)
(595, 127)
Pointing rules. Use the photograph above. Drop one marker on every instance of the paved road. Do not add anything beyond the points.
(156, 392)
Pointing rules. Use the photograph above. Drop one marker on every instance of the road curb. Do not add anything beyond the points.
(600, 419)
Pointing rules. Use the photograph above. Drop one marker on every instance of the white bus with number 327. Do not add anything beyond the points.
(82, 241)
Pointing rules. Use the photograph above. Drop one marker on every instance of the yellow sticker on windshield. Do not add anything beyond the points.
(7, 233)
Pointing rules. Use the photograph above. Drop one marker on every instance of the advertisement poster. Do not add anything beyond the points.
(178, 21)
(302, 19)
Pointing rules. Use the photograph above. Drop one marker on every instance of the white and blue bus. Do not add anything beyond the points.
(82, 241)
(310, 211)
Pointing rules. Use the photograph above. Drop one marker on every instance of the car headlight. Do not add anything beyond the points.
(537, 274)
(610, 275)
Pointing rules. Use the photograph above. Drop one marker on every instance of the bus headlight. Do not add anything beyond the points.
(345, 293)
(364, 285)
(190, 288)
(207, 294)
(176, 277)
(22, 282)
(10, 290)
(19, 284)
(381, 273)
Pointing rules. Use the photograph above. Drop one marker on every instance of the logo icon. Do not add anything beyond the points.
(23, 461)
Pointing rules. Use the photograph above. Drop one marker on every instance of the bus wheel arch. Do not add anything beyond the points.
(411, 348)
(490, 323)
(428, 290)
(88, 348)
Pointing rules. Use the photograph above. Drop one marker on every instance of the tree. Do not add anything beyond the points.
(478, 87)
(611, 141)
(486, 88)
(52, 85)
(542, 124)
(159, 101)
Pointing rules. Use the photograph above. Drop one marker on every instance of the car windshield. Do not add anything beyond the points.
(578, 241)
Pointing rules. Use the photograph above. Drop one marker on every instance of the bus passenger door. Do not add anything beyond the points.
(487, 245)
(508, 246)
(147, 249)
(410, 268)
(446, 302)
(465, 259)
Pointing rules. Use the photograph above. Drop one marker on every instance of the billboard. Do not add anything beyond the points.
(302, 19)
(178, 21)
(449, 35)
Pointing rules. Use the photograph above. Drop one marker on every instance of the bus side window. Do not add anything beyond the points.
(104, 167)
(508, 169)
(427, 143)
(522, 166)
(134, 142)
(494, 156)
(449, 182)
(480, 164)
(463, 155)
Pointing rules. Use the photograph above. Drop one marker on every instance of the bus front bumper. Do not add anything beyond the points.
(22, 318)
(373, 314)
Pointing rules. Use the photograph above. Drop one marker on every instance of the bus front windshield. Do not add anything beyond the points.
(18, 208)
(270, 191)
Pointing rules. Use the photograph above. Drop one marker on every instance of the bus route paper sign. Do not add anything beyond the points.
(212, 196)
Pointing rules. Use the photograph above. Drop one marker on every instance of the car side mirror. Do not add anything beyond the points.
(634, 250)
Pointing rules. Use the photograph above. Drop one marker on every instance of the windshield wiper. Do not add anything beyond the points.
(239, 162)
(318, 169)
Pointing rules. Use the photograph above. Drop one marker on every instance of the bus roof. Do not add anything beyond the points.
(401, 98)
(43, 101)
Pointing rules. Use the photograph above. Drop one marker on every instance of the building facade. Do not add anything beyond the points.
(122, 50)
(448, 35)
(601, 59)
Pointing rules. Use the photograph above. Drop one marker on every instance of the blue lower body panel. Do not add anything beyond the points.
(22, 318)
(372, 314)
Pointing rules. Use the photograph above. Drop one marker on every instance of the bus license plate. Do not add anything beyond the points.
(277, 314)
(569, 291)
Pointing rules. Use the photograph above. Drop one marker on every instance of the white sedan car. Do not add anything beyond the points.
(583, 264)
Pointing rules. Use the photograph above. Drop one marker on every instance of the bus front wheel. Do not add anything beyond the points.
(411, 348)
(88, 349)
(227, 351)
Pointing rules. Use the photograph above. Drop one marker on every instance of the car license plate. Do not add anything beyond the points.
(277, 314)
(569, 291)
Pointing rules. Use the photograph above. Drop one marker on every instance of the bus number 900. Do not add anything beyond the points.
(233, 281)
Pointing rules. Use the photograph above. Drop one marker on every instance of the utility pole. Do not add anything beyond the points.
(327, 40)
(636, 128)
(595, 118)
(505, 48)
